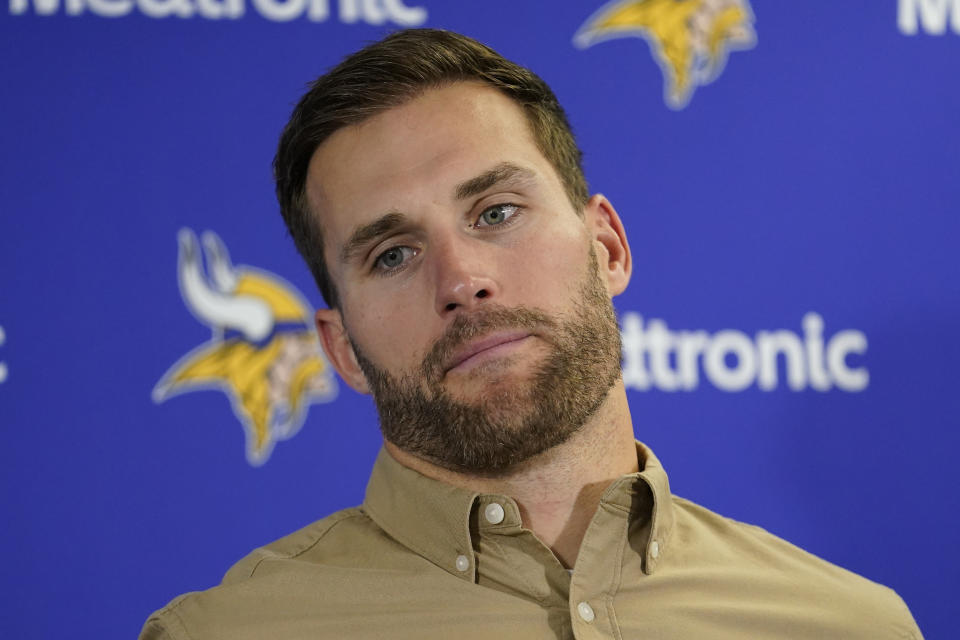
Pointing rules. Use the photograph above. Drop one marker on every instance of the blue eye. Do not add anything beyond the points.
(393, 258)
(496, 214)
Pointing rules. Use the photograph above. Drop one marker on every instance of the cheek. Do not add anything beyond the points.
(548, 266)
(387, 331)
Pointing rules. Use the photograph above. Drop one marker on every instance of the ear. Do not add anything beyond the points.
(339, 350)
(610, 242)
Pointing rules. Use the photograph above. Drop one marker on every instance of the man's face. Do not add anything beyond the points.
(468, 284)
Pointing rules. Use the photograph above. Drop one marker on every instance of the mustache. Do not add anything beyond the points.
(469, 327)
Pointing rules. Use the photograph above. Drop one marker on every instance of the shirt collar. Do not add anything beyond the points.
(646, 497)
(432, 518)
(429, 517)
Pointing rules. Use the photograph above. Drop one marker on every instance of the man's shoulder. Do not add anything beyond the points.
(307, 543)
(727, 538)
(788, 576)
(284, 575)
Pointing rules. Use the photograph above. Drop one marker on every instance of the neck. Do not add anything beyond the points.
(559, 490)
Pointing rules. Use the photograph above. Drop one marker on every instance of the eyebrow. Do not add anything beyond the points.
(505, 172)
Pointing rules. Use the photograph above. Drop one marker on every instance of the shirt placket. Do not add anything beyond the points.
(511, 558)
(596, 576)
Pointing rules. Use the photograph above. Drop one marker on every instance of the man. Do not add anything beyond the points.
(435, 190)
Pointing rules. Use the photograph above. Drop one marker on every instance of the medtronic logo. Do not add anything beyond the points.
(689, 39)
(263, 352)
(656, 357)
(930, 14)
(349, 11)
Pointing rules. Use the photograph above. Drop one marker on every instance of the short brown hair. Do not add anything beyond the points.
(387, 74)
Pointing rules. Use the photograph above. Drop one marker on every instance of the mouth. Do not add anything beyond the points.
(490, 346)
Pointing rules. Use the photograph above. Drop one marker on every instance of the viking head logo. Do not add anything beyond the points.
(263, 352)
(690, 39)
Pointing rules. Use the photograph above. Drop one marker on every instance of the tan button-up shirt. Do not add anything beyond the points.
(423, 559)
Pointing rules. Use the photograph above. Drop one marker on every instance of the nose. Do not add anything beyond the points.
(464, 279)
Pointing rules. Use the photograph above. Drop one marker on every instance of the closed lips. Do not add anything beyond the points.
(486, 343)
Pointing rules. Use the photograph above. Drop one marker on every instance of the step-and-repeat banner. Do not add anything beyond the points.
(788, 173)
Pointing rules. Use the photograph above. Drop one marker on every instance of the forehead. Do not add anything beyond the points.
(412, 155)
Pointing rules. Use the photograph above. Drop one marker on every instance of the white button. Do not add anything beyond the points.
(654, 549)
(494, 513)
(462, 563)
(585, 611)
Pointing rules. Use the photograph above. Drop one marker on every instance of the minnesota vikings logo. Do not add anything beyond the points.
(263, 353)
(690, 39)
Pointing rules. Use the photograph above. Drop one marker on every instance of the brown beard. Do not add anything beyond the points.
(505, 427)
